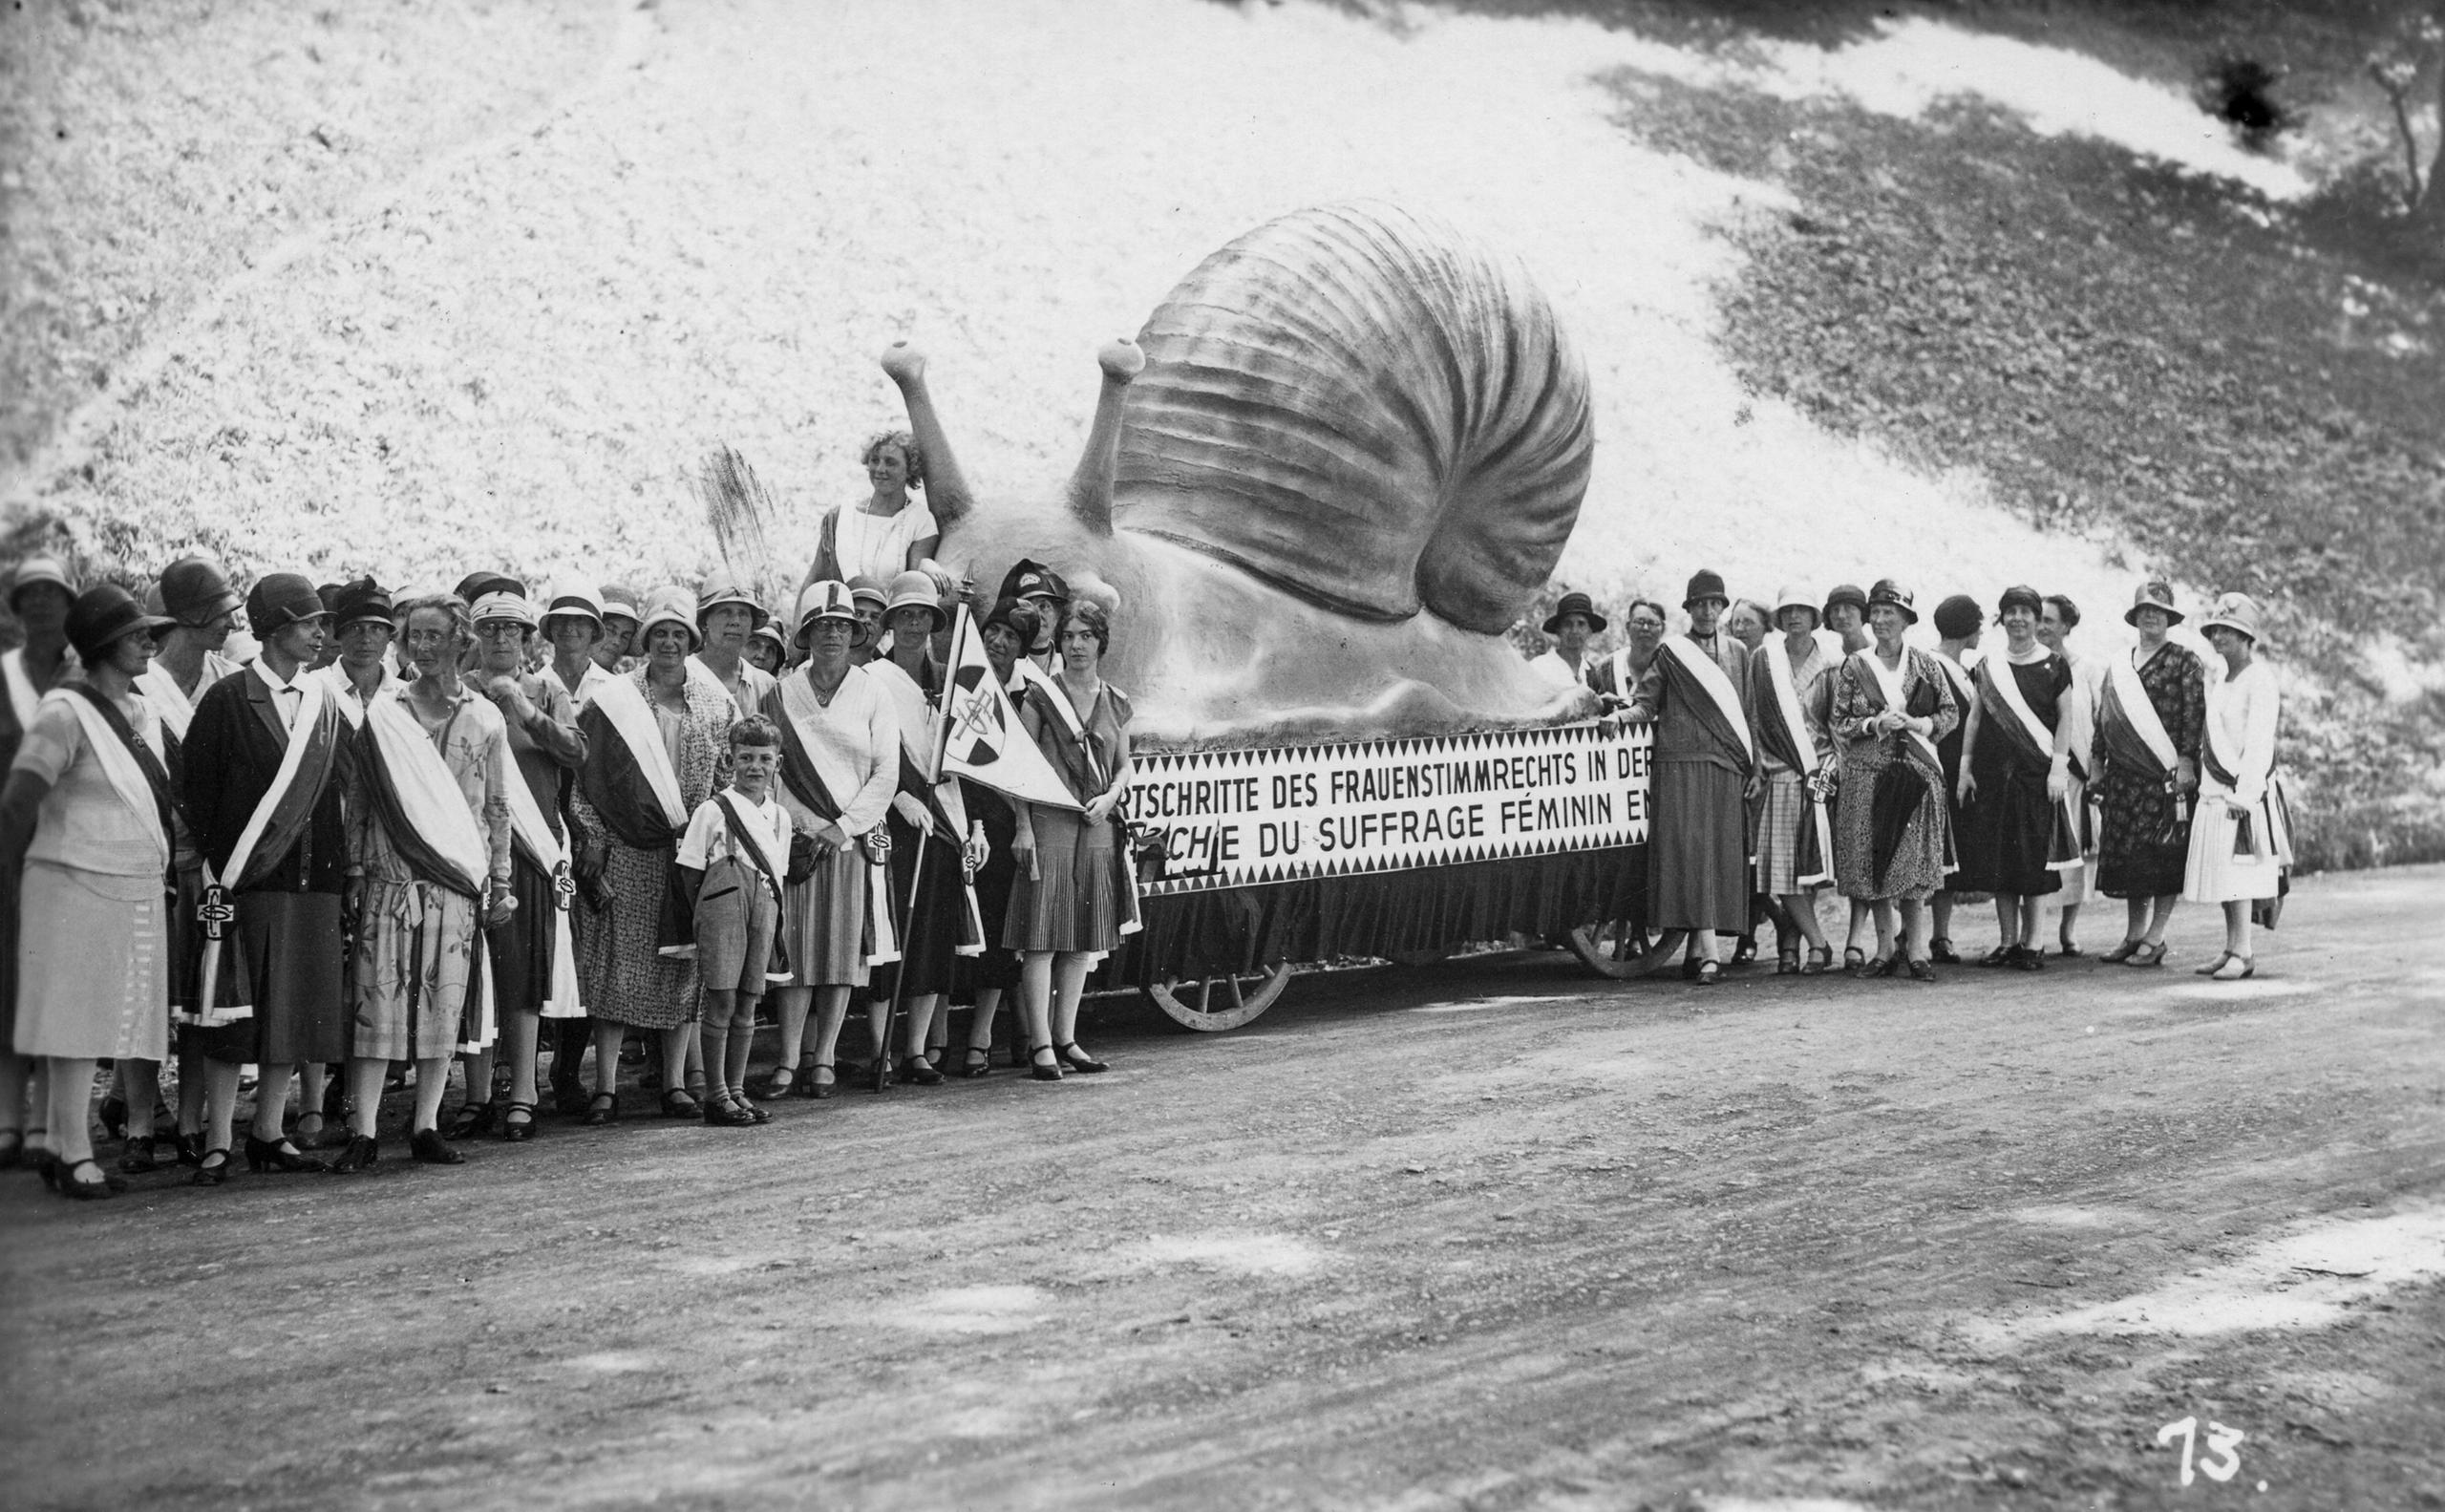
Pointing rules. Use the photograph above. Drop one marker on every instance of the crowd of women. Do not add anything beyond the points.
(526, 829)
(514, 827)
(1836, 755)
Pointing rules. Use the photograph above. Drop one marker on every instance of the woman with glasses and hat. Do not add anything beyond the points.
(726, 616)
(1893, 834)
(2241, 840)
(1705, 773)
(2017, 836)
(39, 597)
(428, 823)
(2151, 720)
(263, 767)
(839, 769)
(657, 744)
(532, 955)
(1791, 689)
(1574, 620)
(927, 816)
(87, 813)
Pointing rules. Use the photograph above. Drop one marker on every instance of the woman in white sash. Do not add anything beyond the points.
(1959, 626)
(2150, 717)
(2240, 842)
(2016, 836)
(89, 818)
(839, 767)
(1892, 704)
(533, 956)
(657, 744)
(1791, 696)
(429, 858)
(2054, 627)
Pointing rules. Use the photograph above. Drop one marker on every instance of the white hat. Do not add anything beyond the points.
(503, 605)
(828, 600)
(670, 604)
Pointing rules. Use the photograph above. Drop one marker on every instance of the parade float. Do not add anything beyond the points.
(1331, 472)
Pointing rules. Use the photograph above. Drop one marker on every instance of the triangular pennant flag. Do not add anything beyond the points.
(983, 738)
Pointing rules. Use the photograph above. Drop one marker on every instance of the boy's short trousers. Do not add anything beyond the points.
(735, 916)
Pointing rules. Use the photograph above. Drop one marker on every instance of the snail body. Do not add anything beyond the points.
(1335, 464)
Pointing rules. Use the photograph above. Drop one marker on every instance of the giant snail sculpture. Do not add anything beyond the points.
(1334, 466)
(1336, 463)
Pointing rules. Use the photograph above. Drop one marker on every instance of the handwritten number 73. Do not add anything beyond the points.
(2219, 1463)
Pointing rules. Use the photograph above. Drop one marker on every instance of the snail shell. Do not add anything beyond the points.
(1367, 408)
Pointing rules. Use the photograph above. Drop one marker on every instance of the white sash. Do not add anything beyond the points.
(625, 708)
(758, 824)
(2133, 697)
(1778, 672)
(344, 692)
(1718, 687)
(311, 693)
(161, 689)
(1889, 682)
(118, 765)
(1622, 678)
(2008, 687)
(1133, 918)
(799, 703)
(527, 822)
(22, 696)
(920, 726)
(429, 795)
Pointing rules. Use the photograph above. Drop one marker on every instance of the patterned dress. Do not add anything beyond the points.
(2146, 843)
(1917, 869)
(625, 978)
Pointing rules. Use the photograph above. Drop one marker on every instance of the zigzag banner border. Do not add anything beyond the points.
(1241, 818)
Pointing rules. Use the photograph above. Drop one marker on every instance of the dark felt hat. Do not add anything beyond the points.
(2152, 596)
(194, 591)
(1958, 617)
(1848, 594)
(1889, 591)
(280, 599)
(1705, 584)
(1030, 579)
(360, 599)
(476, 585)
(1579, 603)
(106, 614)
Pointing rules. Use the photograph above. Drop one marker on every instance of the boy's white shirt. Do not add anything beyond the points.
(708, 839)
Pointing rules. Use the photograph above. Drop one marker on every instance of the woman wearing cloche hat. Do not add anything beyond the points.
(1564, 663)
(2240, 840)
(1892, 708)
(2150, 717)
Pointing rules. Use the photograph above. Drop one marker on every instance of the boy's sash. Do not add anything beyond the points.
(1720, 709)
(805, 758)
(531, 834)
(309, 750)
(628, 776)
(2008, 710)
(1089, 765)
(1796, 748)
(140, 782)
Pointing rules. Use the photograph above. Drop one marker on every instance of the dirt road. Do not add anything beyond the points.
(1484, 1235)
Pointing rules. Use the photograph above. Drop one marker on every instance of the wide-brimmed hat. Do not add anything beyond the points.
(915, 591)
(40, 569)
(2157, 596)
(670, 604)
(1579, 603)
(863, 589)
(2234, 611)
(2023, 594)
(194, 591)
(502, 604)
(1958, 617)
(361, 600)
(104, 616)
(279, 600)
(1705, 584)
(1888, 591)
(1796, 596)
(722, 589)
(1850, 593)
(829, 600)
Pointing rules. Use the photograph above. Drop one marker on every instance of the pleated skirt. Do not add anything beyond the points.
(92, 965)
(1073, 903)
(823, 921)
(2213, 873)
(1697, 861)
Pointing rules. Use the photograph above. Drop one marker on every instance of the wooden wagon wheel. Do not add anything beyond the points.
(1610, 948)
(1213, 1004)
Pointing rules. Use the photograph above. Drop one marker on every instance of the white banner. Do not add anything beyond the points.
(1234, 819)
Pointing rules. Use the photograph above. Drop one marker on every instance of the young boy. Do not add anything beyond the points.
(733, 858)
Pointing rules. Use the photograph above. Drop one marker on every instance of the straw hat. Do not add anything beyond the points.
(2157, 596)
(670, 605)
(2234, 611)
(915, 591)
(830, 599)
(722, 589)
(503, 604)
(1794, 596)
